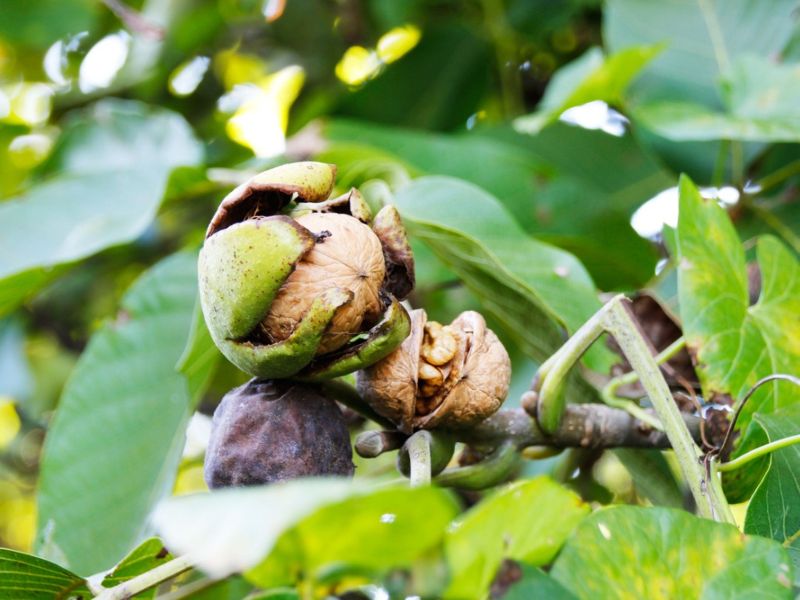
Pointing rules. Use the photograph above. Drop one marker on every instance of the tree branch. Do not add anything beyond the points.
(582, 426)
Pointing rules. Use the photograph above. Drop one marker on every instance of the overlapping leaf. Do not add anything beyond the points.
(108, 177)
(760, 105)
(701, 39)
(736, 344)
(327, 522)
(773, 510)
(526, 521)
(116, 438)
(632, 552)
(522, 281)
(593, 76)
(569, 186)
(30, 577)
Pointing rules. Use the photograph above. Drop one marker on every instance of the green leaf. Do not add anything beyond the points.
(110, 172)
(365, 534)
(117, 436)
(592, 76)
(537, 585)
(632, 552)
(761, 106)
(27, 577)
(572, 187)
(701, 37)
(772, 511)
(39, 24)
(241, 530)
(526, 521)
(736, 344)
(148, 555)
(471, 233)
(200, 357)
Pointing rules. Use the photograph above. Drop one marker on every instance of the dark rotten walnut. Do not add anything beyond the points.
(271, 431)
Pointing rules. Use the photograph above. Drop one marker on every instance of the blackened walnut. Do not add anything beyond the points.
(267, 431)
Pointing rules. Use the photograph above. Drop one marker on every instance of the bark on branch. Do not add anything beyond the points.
(582, 426)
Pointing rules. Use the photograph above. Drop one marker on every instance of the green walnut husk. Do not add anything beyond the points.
(294, 284)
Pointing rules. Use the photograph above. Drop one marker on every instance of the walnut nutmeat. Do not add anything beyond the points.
(467, 384)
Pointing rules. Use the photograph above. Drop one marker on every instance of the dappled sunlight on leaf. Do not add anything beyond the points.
(27, 103)
(17, 516)
(261, 120)
(102, 63)
(9, 422)
(397, 42)
(185, 78)
(358, 65)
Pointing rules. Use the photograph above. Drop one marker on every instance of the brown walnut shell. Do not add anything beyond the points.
(347, 255)
(267, 431)
(475, 381)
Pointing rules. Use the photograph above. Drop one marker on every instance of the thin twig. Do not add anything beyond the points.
(134, 21)
(729, 433)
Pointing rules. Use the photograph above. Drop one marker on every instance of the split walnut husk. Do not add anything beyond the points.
(447, 377)
(296, 284)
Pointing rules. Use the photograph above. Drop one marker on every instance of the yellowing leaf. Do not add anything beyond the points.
(234, 68)
(397, 42)
(260, 122)
(358, 65)
(9, 422)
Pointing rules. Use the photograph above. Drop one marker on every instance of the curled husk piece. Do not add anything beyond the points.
(293, 283)
(448, 377)
(269, 431)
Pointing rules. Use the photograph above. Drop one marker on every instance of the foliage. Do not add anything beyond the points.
(518, 139)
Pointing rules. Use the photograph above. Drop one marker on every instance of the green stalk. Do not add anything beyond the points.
(747, 457)
(146, 580)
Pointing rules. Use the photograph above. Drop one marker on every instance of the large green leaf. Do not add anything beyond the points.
(773, 510)
(736, 344)
(632, 552)
(760, 105)
(526, 521)
(593, 76)
(236, 530)
(27, 577)
(117, 435)
(471, 233)
(572, 187)
(372, 533)
(39, 24)
(702, 39)
(108, 176)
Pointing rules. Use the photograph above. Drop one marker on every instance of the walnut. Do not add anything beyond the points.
(270, 431)
(446, 377)
(348, 255)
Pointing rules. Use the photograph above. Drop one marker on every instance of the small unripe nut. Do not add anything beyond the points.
(269, 431)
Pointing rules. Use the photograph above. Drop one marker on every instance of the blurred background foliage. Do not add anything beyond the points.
(122, 125)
